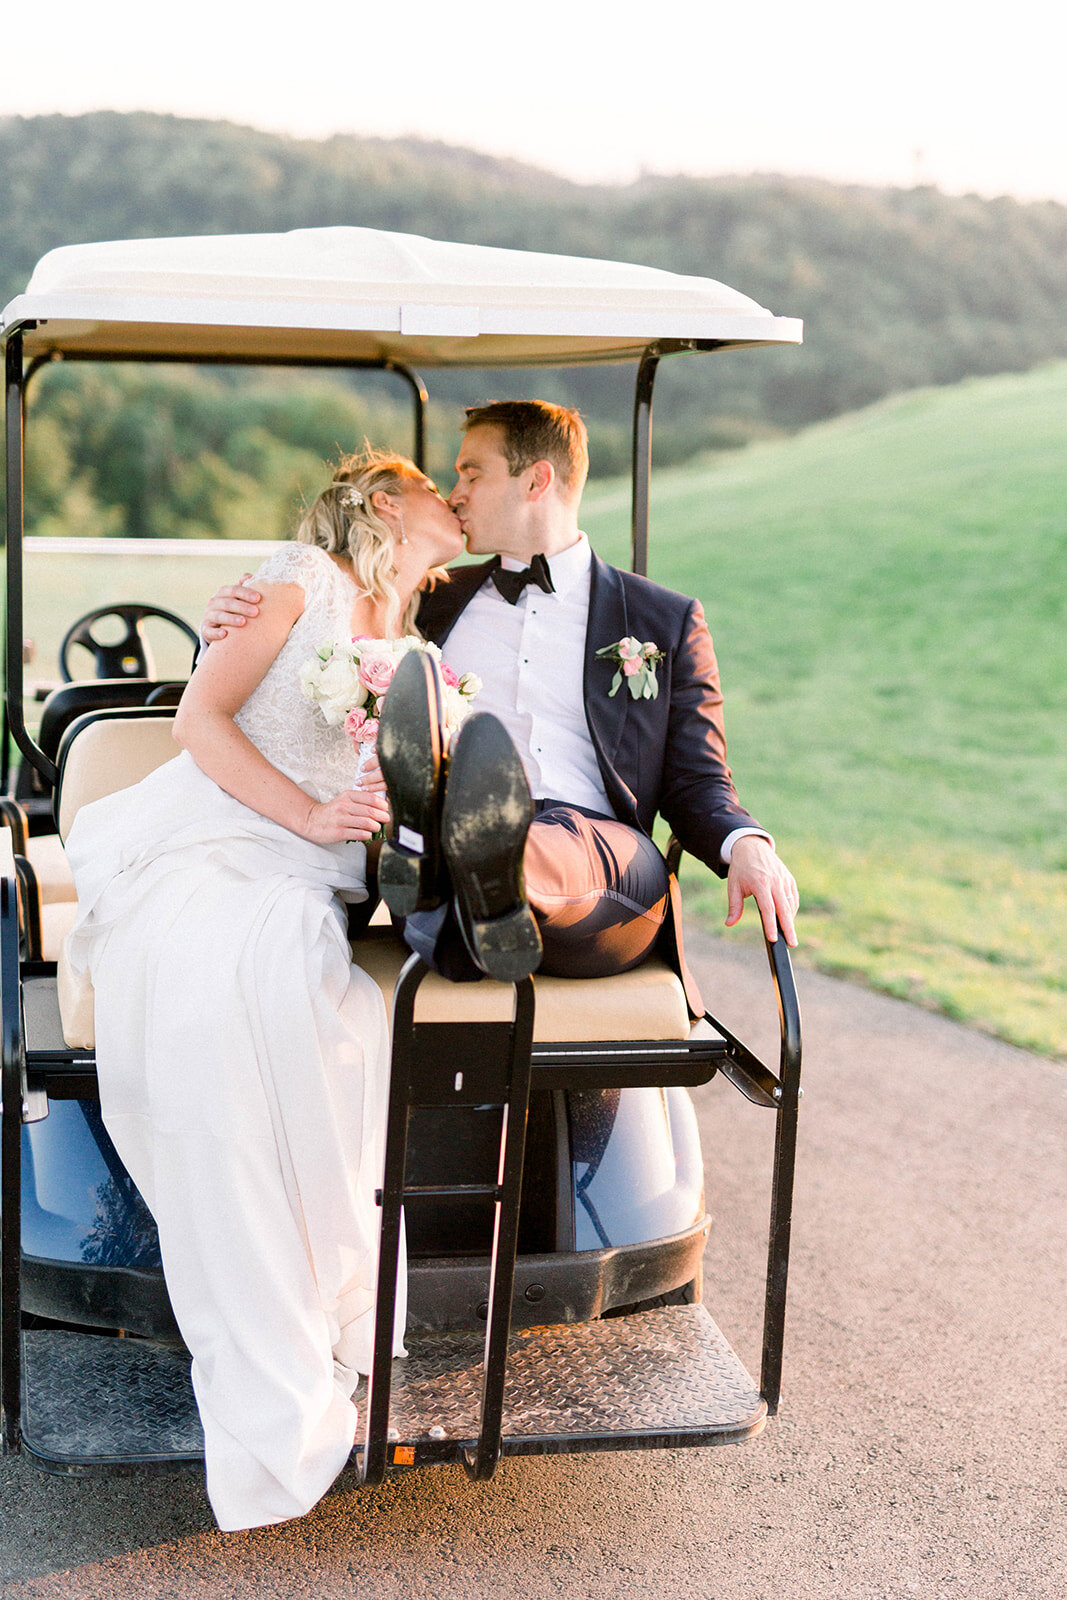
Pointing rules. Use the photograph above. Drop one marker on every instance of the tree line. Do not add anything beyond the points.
(897, 288)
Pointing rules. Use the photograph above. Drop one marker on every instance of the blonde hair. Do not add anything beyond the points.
(344, 522)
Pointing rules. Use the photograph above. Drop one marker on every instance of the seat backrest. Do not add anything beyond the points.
(107, 750)
(71, 700)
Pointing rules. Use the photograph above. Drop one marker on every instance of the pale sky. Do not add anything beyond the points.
(959, 95)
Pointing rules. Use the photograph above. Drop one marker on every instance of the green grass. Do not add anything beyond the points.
(888, 597)
(887, 594)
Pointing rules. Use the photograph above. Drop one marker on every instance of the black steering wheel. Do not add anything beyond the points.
(130, 657)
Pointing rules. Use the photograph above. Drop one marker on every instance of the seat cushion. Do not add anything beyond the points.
(647, 1003)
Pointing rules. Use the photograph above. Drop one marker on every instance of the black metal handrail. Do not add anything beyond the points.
(785, 1149)
(12, 1086)
(781, 1094)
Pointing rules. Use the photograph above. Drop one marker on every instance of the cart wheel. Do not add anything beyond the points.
(688, 1294)
(130, 657)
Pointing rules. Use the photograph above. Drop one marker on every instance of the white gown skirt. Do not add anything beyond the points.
(243, 1065)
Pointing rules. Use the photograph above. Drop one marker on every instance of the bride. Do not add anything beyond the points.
(243, 1061)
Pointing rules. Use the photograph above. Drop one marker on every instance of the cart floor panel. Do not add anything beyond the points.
(656, 1378)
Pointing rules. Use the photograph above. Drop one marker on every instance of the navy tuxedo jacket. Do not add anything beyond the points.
(667, 755)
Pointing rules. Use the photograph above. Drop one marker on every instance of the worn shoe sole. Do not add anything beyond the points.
(410, 753)
(484, 822)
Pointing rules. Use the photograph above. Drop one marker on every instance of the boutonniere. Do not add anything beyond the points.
(636, 667)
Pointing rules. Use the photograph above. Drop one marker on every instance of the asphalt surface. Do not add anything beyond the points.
(922, 1446)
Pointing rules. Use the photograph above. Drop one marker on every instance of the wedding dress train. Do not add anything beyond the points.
(243, 1066)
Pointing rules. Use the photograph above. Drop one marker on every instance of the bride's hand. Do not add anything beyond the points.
(228, 608)
(356, 814)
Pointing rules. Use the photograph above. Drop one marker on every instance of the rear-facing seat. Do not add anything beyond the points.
(109, 750)
(43, 849)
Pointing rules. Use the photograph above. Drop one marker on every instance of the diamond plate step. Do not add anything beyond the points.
(657, 1378)
(95, 1403)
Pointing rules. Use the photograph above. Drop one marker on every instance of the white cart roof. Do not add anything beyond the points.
(336, 294)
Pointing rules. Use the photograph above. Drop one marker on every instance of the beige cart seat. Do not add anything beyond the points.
(108, 751)
(45, 854)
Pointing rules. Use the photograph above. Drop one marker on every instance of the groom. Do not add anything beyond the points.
(532, 624)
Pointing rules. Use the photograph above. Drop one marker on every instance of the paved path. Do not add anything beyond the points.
(922, 1450)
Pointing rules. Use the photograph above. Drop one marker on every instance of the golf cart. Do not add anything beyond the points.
(541, 1139)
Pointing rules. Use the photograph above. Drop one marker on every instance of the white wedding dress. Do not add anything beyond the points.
(243, 1065)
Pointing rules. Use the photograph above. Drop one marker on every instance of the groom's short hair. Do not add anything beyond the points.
(536, 430)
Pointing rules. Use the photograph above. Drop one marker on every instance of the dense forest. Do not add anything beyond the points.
(897, 288)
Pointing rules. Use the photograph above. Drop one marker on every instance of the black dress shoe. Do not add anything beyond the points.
(484, 822)
(411, 753)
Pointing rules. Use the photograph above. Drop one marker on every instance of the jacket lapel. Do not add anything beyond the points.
(605, 714)
(440, 611)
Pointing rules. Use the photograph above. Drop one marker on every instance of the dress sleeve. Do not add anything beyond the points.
(304, 564)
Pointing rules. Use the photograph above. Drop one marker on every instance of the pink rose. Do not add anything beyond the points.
(629, 649)
(354, 722)
(368, 733)
(630, 667)
(449, 676)
(376, 673)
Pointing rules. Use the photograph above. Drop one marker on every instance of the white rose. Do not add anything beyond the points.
(456, 708)
(339, 690)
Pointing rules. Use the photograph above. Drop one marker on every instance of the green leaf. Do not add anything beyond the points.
(615, 682)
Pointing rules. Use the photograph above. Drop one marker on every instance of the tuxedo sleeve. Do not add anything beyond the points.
(698, 798)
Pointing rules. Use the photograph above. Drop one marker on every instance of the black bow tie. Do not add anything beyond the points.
(511, 584)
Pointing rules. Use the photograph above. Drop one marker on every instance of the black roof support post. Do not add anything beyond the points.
(642, 458)
(13, 701)
(420, 397)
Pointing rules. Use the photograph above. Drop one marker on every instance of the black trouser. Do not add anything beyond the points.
(598, 889)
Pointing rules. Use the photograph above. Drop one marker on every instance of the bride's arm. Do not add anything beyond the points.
(224, 678)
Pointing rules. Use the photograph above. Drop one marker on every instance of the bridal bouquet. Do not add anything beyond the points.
(349, 679)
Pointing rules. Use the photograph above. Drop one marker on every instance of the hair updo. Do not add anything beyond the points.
(343, 522)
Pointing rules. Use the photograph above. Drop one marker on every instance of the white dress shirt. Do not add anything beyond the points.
(531, 659)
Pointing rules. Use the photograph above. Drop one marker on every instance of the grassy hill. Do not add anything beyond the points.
(888, 596)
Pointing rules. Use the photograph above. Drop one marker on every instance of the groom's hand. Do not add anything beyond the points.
(229, 608)
(757, 870)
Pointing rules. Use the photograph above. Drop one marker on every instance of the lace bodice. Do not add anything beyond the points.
(280, 721)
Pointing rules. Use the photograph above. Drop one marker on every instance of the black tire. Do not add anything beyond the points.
(687, 1294)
